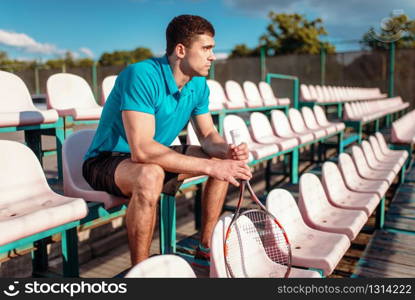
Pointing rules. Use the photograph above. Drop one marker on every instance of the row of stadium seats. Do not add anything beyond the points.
(317, 93)
(282, 133)
(367, 111)
(236, 97)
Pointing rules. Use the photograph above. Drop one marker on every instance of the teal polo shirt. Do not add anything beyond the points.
(149, 87)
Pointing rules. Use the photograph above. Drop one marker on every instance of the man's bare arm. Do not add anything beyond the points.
(140, 129)
(214, 144)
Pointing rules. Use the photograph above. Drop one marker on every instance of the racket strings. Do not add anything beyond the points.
(256, 232)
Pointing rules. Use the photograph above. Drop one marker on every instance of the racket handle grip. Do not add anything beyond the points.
(236, 137)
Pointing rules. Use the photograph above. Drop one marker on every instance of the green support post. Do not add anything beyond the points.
(37, 85)
(262, 62)
(391, 77)
(294, 165)
(167, 224)
(322, 64)
(94, 81)
(380, 214)
(70, 253)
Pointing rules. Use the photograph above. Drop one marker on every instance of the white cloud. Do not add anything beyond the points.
(26, 43)
(88, 52)
(221, 55)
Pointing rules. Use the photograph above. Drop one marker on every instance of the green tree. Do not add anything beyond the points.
(287, 34)
(125, 57)
(398, 28)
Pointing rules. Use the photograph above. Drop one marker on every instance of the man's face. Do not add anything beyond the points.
(199, 56)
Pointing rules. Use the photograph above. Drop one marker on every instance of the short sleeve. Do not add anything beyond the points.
(202, 106)
(137, 90)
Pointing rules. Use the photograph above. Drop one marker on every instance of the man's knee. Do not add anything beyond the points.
(149, 183)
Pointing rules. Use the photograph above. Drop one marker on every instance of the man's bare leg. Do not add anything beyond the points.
(212, 200)
(212, 203)
(143, 183)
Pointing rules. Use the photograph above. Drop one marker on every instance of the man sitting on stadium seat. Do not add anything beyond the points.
(151, 102)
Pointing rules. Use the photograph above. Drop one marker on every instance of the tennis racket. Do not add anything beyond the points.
(255, 243)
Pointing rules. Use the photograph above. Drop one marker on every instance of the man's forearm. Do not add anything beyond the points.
(215, 146)
(170, 160)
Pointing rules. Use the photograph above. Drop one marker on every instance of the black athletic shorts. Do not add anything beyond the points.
(99, 172)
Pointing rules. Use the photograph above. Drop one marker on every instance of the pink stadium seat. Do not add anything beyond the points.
(74, 184)
(269, 96)
(283, 129)
(322, 119)
(299, 127)
(256, 150)
(256, 265)
(71, 96)
(311, 122)
(385, 149)
(162, 266)
(374, 163)
(27, 203)
(321, 215)
(253, 97)
(262, 133)
(340, 196)
(107, 85)
(17, 108)
(390, 159)
(217, 98)
(355, 182)
(366, 171)
(305, 94)
(236, 94)
(310, 248)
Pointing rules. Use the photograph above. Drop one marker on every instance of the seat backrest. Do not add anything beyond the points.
(22, 176)
(283, 206)
(305, 93)
(296, 120)
(234, 92)
(252, 92)
(107, 85)
(281, 124)
(65, 91)
(348, 169)
(360, 160)
(162, 266)
(312, 197)
(368, 152)
(266, 90)
(261, 127)
(232, 122)
(332, 180)
(14, 95)
(309, 118)
(249, 259)
(217, 94)
(73, 151)
(192, 138)
(377, 151)
(320, 115)
(382, 142)
(217, 259)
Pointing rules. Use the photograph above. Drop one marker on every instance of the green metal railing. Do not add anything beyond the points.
(296, 85)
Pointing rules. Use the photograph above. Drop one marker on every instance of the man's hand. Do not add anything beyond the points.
(229, 170)
(240, 152)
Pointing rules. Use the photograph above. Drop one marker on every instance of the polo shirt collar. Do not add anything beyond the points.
(170, 81)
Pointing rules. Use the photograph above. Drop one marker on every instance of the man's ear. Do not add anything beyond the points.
(180, 50)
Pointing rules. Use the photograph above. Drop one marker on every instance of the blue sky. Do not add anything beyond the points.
(47, 28)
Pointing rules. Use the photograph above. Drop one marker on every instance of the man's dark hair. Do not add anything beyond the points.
(184, 28)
